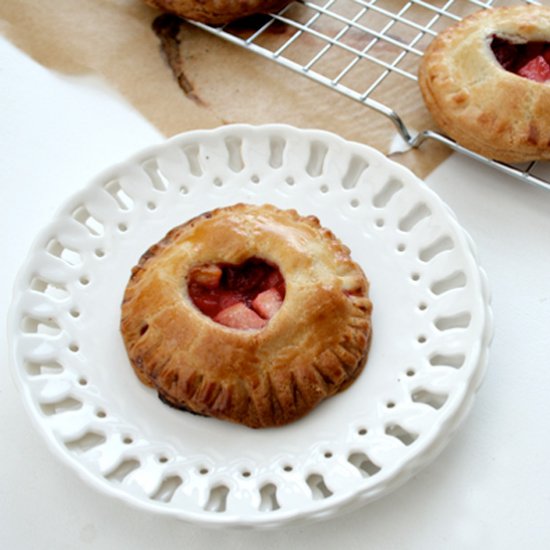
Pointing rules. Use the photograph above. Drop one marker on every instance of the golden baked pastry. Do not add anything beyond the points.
(247, 313)
(217, 12)
(486, 82)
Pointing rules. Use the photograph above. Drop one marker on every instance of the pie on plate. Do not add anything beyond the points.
(250, 314)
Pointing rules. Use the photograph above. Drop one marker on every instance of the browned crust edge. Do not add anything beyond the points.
(217, 12)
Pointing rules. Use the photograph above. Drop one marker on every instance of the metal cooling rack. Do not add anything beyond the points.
(392, 36)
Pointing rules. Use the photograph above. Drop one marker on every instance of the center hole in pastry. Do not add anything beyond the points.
(530, 60)
(243, 296)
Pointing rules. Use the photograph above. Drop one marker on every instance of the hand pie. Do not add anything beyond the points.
(247, 313)
(486, 82)
(217, 12)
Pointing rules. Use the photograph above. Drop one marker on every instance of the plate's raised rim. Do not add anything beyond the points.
(433, 442)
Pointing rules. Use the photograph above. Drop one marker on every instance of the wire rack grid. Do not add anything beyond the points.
(361, 48)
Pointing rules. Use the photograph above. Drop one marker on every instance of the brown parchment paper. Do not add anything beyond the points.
(222, 83)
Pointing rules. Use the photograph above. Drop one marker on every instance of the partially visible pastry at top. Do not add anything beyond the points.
(247, 313)
(217, 12)
(486, 82)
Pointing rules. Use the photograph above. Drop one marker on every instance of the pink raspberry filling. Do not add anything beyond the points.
(530, 60)
(241, 296)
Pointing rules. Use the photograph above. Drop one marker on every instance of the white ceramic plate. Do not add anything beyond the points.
(432, 327)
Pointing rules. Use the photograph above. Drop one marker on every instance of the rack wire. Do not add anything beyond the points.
(381, 40)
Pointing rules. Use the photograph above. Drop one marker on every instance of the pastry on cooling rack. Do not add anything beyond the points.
(247, 313)
(486, 82)
(217, 12)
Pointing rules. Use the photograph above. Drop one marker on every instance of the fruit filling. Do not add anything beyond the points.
(530, 60)
(241, 296)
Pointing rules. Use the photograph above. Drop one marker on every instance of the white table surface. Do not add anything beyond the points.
(490, 488)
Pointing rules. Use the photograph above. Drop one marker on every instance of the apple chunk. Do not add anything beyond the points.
(267, 303)
(207, 276)
(537, 69)
(239, 316)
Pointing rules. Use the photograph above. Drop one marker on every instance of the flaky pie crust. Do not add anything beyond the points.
(217, 12)
(475, 100)
(314, 346)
